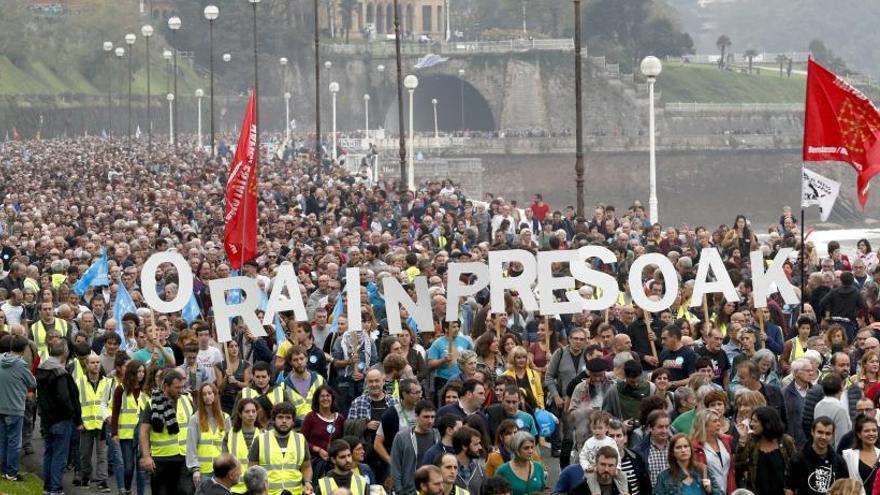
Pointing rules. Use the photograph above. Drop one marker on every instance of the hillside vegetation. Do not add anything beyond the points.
(42, 55)
(708, 84)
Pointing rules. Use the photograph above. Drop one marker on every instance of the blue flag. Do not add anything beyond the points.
(280, 336)
(96, 275)
(337, 310)
(264, 301)
(121, 307)
(234, 295)
(192, 311)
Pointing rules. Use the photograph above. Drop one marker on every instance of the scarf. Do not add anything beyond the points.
(164, 413)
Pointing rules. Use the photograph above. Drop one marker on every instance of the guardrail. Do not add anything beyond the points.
(683, 107)
(455, 47)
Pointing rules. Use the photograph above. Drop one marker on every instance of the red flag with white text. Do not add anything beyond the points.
(240, 237)
(841, 124)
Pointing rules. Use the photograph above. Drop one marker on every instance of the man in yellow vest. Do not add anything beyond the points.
(429, 480)
(301, 383)
(227, 470)
(163, 438)
(342, 475)
(262, 390)
(92, 398)
(284, 453)
(46, 323)
(448, 464)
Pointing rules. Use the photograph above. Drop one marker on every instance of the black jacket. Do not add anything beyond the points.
(844, 302)
(57, 395)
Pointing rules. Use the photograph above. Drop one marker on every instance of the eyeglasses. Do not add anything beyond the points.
(867, 411)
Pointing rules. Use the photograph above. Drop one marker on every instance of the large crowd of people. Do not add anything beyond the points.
(717, 397)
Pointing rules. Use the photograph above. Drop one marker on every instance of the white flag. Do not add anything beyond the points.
(818, 190)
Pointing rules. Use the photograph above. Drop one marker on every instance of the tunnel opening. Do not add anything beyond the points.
(460, 106)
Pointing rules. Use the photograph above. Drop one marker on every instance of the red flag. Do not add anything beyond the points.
(240, 238)
(841, 124)
(15, 136)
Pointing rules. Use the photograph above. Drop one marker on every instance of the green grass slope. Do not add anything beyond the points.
(706, 84)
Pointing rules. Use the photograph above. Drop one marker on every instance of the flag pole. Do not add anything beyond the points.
(803, 250)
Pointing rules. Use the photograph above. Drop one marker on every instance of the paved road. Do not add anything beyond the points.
(33, 463)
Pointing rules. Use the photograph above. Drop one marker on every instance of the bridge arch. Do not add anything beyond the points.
(460, 106)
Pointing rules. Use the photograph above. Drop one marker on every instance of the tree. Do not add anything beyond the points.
(750, 55)
(826, 57)
(723, 43)
(780, 59)
(346, 7)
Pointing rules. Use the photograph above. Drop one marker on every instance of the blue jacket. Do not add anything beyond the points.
(794, 408)
(667, 486)
(15, 380)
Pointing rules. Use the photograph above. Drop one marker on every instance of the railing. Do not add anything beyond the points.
(763, 58)
(682, 107)
(462, 47)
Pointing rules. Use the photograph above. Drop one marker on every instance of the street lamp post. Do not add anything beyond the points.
(170, 99)
(579, 115)
(174, 25)
(211, 14)
(317, 89)
(334, 88)
(200, 93)
(129, 40)
(381, 91)
(436, 128)
(287, 96)
(147, 32)
(256, 106)
(226, 59)
(283, 62)
(401, 134)
(651, 68)
(411, 82)
(367, 118)
(108, 47)
(461, 80)
(167, 55)
(120, 52)
(448, 17)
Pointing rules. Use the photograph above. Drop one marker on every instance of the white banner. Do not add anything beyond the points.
(818, 190)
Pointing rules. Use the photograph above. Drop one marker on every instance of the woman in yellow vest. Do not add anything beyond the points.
(207, 427)
(127, 402)
(239, 439)
(796, 347)
(526, 378)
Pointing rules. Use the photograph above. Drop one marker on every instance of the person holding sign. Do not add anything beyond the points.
(342, 476)
(284, 454)
(266, 395)
(443, 354)
(353, 352)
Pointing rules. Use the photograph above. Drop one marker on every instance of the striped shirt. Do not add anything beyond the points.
(626, 465)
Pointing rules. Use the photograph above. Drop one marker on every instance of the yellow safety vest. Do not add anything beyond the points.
(210, 446)
(796, 350)
(129, 414)
(275, 394)
(39, 331)
(164, 444)
(283, 468)
(359, 485)
(460, 491)
(238, 447)
(78, 371)
(90, 401)
(302, 404)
